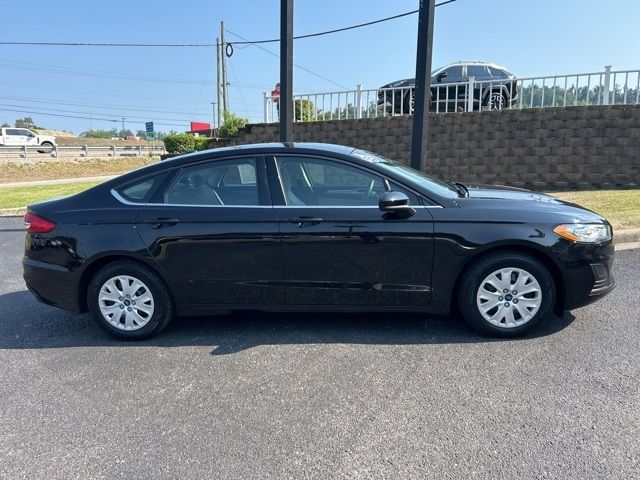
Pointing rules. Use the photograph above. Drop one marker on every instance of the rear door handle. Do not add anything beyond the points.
(305, 221)
(161, 221)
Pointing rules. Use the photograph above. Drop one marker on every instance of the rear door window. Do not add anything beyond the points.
(221, 182)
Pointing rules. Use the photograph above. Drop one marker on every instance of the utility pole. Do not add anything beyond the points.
(123, 119)
(219, 93)
(223, 58)
(286, 70)
(423, 85)
(213, 117)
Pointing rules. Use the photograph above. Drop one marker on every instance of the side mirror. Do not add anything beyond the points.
(395, 202)
(440, 76)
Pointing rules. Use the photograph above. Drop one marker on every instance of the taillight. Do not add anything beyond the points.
(37, 224)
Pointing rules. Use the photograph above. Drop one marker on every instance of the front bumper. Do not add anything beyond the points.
(588, 273)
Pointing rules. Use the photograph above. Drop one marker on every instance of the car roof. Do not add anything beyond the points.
(259, 148)
(475, 62)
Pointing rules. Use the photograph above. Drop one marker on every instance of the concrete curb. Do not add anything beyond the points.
(13, 212)
(627, 235)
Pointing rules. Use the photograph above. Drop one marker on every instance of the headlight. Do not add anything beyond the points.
(584, 232)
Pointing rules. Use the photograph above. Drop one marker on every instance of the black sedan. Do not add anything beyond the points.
(311, 227)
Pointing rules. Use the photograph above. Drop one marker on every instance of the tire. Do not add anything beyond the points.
(129, 321)
(496, 101)
(529, 307)
(48, 147)
(408, 103)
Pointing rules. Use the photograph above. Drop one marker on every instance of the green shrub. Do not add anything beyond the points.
(105, 134)
(231, 124)
(201, 143)
(179, 143)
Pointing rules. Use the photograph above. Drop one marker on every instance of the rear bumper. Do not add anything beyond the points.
(51, 284)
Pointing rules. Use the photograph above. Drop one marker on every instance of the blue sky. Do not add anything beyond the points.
(175, 85)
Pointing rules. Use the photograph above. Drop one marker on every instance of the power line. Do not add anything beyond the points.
(343, 29)
(121, 108)
(295, 64)
(83, 117)
(247, 42)
(98, 113)
(134, 117)
(96, 44)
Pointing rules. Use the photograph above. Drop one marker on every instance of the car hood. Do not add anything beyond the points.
(509, 193)
(510, 203)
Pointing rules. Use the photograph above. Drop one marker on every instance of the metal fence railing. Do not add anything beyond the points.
(24, 151)
(596, 88)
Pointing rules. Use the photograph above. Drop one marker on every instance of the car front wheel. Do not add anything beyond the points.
(506, 294)
(129, 300)
(47, 147)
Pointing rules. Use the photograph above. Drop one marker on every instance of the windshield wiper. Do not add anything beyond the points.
(460, 188)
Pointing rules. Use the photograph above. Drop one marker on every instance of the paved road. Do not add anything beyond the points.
(318, 396)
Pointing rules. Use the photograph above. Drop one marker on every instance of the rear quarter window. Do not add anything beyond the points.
(140, 192)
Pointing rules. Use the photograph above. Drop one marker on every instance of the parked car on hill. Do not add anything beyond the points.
(494, 89)
(18, 137)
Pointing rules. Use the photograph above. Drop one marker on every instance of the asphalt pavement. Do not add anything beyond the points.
(257, 396)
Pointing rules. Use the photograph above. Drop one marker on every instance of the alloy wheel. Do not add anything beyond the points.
(126, 302)
(496, 101)
(509, 297)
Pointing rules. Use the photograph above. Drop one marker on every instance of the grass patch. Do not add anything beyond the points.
(47, 170)
(16, 197)
(620, 207)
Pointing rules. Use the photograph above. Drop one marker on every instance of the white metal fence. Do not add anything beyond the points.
(596, 88)
(26, 151)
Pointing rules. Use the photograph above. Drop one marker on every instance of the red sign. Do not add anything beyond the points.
(200, 126)
(275, 93)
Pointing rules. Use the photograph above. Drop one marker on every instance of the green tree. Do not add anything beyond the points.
(5, 125)
(304, 111)
(231, 124)
(26, 122)
(142, 134)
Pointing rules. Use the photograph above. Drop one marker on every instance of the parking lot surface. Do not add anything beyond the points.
(258, 395)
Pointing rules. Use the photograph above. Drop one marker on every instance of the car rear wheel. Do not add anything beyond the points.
(506, 294)
(129, 300)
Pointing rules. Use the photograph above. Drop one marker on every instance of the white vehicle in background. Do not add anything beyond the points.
(18, 137)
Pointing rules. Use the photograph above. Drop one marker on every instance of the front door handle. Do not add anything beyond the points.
(161, 221)
(305, 221)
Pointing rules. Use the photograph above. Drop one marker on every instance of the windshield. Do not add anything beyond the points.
(409, 174)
